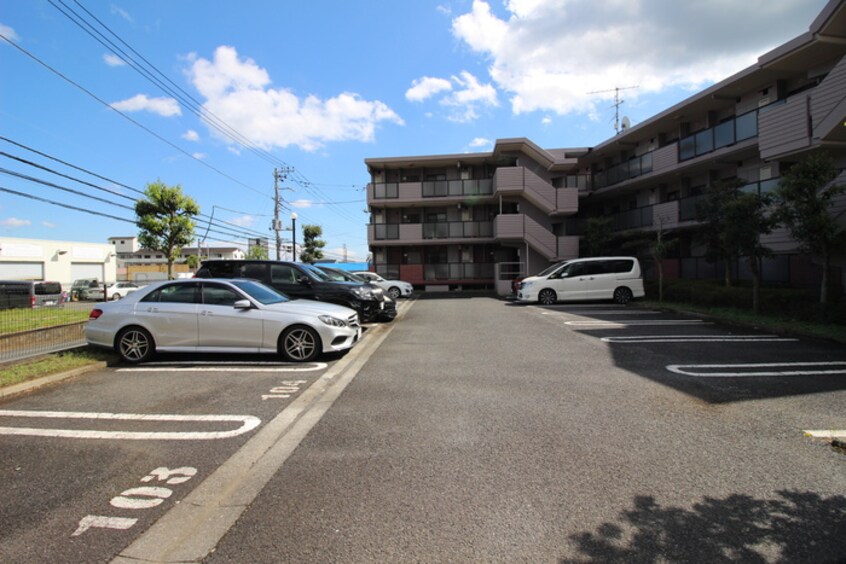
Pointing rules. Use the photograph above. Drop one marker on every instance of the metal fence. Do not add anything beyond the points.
(27, 332)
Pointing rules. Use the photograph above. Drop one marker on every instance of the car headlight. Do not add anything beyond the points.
(525, 285)
(364, 293)
(333, 321)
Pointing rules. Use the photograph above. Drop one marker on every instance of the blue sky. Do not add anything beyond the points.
(319, 86)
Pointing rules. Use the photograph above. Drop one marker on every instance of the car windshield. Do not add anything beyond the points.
(261, 293)
(316, 272)
(552, 268)
(334, 275)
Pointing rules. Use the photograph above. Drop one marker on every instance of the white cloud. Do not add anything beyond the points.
(117, 10)
(480, 142)
(199, 156)
(466, 94)
(550, 54)
(240, 93)
(191, 135)
(466, 101)
(14, 223)
(546, 120)
(113, 60)
(302, 203)
(9, 33)
(445, 10)
(48, 224)
(166, 107)
(426, 87)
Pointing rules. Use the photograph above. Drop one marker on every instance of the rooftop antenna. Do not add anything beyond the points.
(617, 103)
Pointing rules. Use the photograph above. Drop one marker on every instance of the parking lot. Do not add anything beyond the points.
(460, 404)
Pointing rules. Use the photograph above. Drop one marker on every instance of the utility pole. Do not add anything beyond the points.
(278, 175)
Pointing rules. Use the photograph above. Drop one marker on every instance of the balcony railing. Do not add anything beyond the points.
(383, 231)
(632, 219)
(624, 171)
(444, 188)
(386, 191)
(458, 230)
(727, 133)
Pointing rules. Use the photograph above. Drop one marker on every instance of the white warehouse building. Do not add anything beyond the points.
(56, 261)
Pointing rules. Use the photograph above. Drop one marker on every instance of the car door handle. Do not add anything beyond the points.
(152, 310)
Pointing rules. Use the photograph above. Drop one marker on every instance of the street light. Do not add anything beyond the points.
(294, 235)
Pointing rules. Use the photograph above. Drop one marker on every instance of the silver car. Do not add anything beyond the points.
(215, 315)
(394, 288)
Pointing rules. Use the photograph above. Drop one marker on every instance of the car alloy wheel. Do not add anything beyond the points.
(394, 292)
(116, 297)
(547, 297)
(135, 345)
(300, 344)
(622, 296)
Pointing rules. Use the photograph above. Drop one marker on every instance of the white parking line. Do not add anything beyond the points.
(587, 312)
(311, 367)
(792, 369)
(826, 434)
(248, 423)
(638, 322)
(698, 339)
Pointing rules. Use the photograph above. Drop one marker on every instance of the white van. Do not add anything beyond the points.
(598, 278)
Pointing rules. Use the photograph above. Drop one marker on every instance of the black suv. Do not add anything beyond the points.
(298, 280)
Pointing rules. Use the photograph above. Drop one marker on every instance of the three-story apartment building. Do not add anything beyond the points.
(479, 219)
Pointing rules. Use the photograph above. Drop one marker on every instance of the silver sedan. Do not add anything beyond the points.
(212, 315)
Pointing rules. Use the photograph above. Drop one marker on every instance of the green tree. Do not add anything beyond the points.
(164, 218)
(657, 244)
(193, 261)
(749, 218)
(312, 244)
(257, 252)
(711, 212)
(597, 235)
(804, 201)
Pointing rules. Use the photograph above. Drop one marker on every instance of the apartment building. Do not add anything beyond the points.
(477, 220)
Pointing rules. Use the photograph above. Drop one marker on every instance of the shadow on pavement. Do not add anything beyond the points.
(794, 527)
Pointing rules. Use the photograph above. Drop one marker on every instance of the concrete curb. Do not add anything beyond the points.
(31, 385)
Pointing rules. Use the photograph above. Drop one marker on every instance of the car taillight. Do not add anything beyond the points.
(95, 313)
(32, 301)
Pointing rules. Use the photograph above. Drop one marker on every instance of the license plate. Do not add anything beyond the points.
(381, 305)
(50, 303)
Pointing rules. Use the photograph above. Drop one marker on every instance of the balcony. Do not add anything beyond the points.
(421, 233)
(412, 192)
(727, 133)
(784, 128)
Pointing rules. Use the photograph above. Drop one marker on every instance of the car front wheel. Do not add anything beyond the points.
(394, 292)
(299, 344)
(135, 345)
(547, 297)
(116, 297)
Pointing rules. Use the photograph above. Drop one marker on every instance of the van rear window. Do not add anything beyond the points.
(47, 288)
(622, 265)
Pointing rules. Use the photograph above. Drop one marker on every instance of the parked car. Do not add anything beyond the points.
(388, 313)
(599, 278)
(114, 291)
(299, 280)
(81, 287)
(394, 288)
(30, 293)
(214, 315)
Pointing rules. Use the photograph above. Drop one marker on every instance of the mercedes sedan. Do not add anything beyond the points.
(216, 315)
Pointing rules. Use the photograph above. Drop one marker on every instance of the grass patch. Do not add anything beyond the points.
(51, 364)
(25, 319)
(775, 324)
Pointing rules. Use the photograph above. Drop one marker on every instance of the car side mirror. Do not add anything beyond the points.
(304, 280)
(243, 304)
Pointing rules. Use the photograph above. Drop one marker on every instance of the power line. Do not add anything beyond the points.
(122, 114)
(245, 231)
